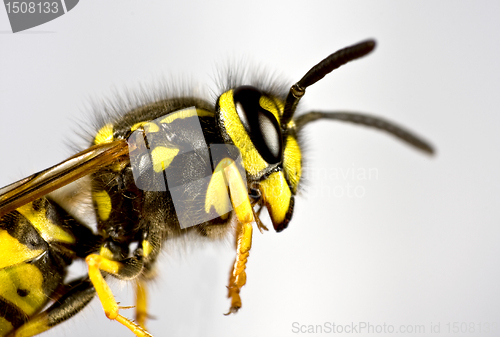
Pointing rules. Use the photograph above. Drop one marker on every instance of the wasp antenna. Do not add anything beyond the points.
(320, 70)
(336, 60)
(367, 120)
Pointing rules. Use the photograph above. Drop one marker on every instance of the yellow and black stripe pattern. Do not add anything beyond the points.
(160, 150)
(159, 170)
(30, 269)
(252, 121)
(38, 241)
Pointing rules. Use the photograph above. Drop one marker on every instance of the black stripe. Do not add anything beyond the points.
(21, 229)
(11, 313)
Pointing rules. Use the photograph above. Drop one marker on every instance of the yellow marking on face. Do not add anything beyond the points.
(48, 231)
(270, 105)
(103, 202)
(162, 157)
(13, 252)
(277, 195)
(186, 113)
(252, 160)
(5, 326)
(149, 127)
(217, 193)
(106, 253)
(22, 285)
(292, 162)
(146, 247)
(104, 135)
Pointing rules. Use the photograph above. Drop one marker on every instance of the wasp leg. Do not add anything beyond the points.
(238, 276)
(141, 303)
(245, 215)
(79, 293)
(151, 248)
(125, 269)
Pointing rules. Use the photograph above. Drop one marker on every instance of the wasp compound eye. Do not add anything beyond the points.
(260, 124)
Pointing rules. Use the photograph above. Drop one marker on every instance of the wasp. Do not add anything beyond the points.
(168, 168)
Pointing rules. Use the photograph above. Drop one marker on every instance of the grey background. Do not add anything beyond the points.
(420, 247)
